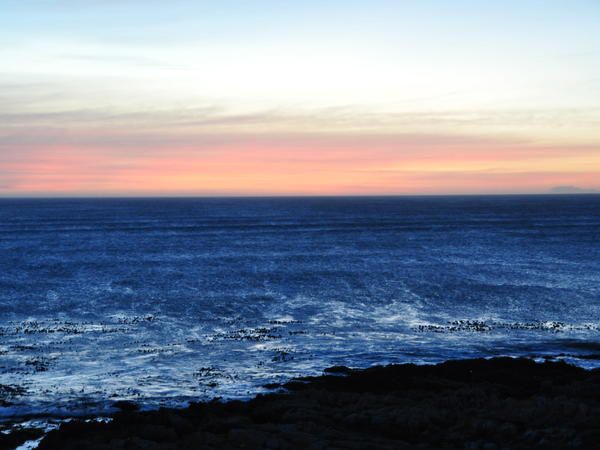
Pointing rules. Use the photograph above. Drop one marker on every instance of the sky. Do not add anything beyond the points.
(249, 97)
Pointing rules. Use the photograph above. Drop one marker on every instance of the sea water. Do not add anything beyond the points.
(163, 301)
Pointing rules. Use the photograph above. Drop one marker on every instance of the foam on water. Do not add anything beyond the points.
(167, 301)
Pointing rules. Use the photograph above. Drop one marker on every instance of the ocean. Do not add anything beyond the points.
(163, 301)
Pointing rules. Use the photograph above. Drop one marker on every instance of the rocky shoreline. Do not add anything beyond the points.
(500, 403)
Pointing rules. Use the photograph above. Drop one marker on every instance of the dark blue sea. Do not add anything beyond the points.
(163, 301)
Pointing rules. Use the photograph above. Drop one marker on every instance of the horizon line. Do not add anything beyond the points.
(142, 197)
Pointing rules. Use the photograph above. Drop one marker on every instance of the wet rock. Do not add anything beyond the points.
(14, 438)
(125, 405)
(157, 433)
(338, 369)
(484, 404)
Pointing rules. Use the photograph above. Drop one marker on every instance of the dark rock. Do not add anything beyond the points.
(125, 405)
(338, 369)
(486, 404)
(15, 438)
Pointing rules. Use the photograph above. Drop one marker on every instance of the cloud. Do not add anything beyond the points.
(573, 190)
(209, 148)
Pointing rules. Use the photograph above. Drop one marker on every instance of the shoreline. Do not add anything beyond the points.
(475, 403)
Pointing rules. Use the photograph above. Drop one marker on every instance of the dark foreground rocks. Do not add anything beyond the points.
(486, 404)
(17, 437)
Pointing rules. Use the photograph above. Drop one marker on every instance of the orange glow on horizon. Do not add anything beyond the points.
(365, 165)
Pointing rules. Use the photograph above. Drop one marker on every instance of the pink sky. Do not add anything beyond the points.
(299, 164)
